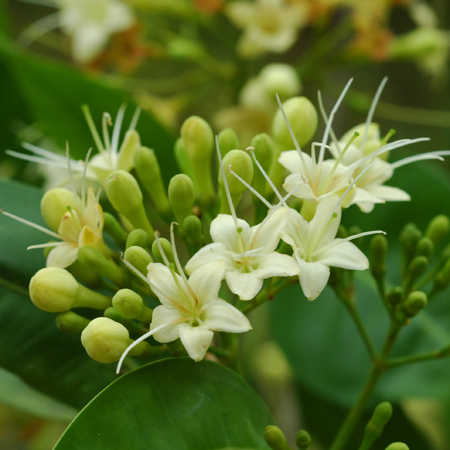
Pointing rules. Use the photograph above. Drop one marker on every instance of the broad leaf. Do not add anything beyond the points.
(172, 404)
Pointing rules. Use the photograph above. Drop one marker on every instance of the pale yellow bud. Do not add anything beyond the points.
(54, 205)
(281, 79)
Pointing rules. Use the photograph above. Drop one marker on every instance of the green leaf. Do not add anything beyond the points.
(172, 404)
(55, 94)
(321, 341)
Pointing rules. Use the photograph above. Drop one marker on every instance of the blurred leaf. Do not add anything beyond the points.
(321, 341)
(5, 19)
(172, 404)
(18, 395)
(55, 94)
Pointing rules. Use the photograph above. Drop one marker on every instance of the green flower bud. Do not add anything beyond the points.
(438, 228)
(124, 194)
(281, 79)
(341, 232)
(149, 173)
(228, 140)
(425, 247)
(409, 237)
(138, 258)
(137, 238)
(54, 205)
(127, 303)
(114, 229)
(275, 438)
(181, 196)
(182, 48)
(198, 142)
(55, 290)
(105, 340)
(303, 119)
(418, 266)
(98, 263)
(193, 228)
(442, 279)
(241, 163)
(167, 249)
(376, 424)
(397, 446)
(69, 322)
(395, 295)
(303, 440)
(264, 153)
(414, 303)
(378, 251)
(183, 161)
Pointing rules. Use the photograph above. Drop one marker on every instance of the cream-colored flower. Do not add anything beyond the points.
(269, 25)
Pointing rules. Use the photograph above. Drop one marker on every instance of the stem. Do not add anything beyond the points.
(435, 354)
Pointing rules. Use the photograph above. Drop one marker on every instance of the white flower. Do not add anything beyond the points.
(190, 308)
(90, 23)
(248, 252)
(269, 25)
(316, 248)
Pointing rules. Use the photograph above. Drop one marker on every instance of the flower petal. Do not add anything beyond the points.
(205, 281)
(62, 256)
(196, 340)
(207, 254)
(162, 315)
(223, 230)
(245, 285)
(163, 284)
(313, 278)
(344, 254)
(221, 316)
(268, 233)
(276, 265)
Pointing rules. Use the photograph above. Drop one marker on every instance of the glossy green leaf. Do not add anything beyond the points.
(55, 94)
(172, 404)
(321, 340)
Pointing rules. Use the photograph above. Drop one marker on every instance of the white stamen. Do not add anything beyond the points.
(134, 270)
(116, 130)
(105, 122)
(92, 128)
(423, 156)
(31, 224)
(250, 188)
(325, 119)
(135, 119)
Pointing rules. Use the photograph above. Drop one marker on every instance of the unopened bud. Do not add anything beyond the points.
(54, 205)
(425, 247)
(281, 79)
(167, 249)
(373, 140)
(418, 266)
(303, 440)
(193, 228)
(376, 424)
(302, 117)
(183, 161)
(414, 303)
(181, 196)
(264, 153)
(149, 173)
(137, 238)
(275, 438)
(442, 279)
(378, 251)
(409, 237)
(114, 229)
(228, 140)
(70, 322)
(395, 295)
(124, 194)
(127, 303)
(138, 258)
(55, 290)
(438, 229)
(182, 48)
(397, 446)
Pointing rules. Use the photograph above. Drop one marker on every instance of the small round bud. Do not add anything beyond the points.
(113, 228)
(123, 191)
(181, 196)
(303, 440)
(198, 139)
(395, 295)
(381, 415)
(281, 79)
(228, 140)
(137, 238)
(378, 251)
(241, 164)
(167, 249)
(425, 247)
(415, 302)
(105, 340)
(418, 266)
(70, 322)
(138, 258)
(303, 119)
(54, 205)
(53, 289)
(275, 438)
(397, 446)
(409, 237)
(193, 227)
(127, 303)
(264, 151)
(438, 229)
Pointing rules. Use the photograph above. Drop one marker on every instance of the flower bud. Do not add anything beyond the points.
(70, 322)
(127, 303)
(437, 229)
(228, 140)
(149, 173)
(193, 229)
(397, 446)
(55, 290)
(409, 237)
(425, 247)
(376, 424)
(378, 251)
(373, 140)
(395, 295)
(54, 205)
(281, 79)
(183, 161)
(167, 249)
(114, 229)
(275, 438)
(124, 194)
(130, 144)
(303, 440)
(138, 258)
(303, 119)
(137, 238)
(105, 340)
(414, 303)
(418, 266)
(242, 165)
(442, 279)
(264, 153)
(181, 196)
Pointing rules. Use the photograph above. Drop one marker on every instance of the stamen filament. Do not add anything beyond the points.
(105, 122)
(161, 251)
(135, 119)
(116, 130)
(31, 224)
(250, 188)
(92, 128)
